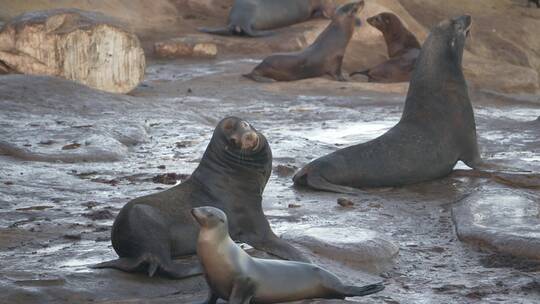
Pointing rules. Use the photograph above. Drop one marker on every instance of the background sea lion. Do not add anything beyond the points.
(437, 127)
(253, 17)
(537, 2)
(237, 277)
(402, 46)
(232, 175)
(324, 56)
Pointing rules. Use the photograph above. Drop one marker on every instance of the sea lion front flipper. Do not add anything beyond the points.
(222, 31)
(243, 291)
(255, 33)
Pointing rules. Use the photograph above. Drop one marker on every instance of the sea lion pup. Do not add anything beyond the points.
(323, 57)
(235, 276)
(436, 129)
(149, 231)
(253, 17)
(403, 50)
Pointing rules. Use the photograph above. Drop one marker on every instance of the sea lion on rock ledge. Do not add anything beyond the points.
(253, 17)
(403, 50)
(149, 231)
(233, 275)
(323, 57)
(436, 130)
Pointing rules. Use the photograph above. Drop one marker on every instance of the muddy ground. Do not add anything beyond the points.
(55, 216)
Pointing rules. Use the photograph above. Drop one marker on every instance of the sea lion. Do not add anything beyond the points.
(324, 56)
(149, 231)
(403, 50)
(436, 129)
(253, 17)
(537, 2)
(235, 276)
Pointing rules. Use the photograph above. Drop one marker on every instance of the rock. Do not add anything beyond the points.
(285, 170)
(99, 215)
(169, 178)
(185, 47)
(506, 221)
(344, 202)
(86, 47)
(362, 248)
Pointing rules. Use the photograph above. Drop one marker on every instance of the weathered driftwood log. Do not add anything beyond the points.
(86, 47)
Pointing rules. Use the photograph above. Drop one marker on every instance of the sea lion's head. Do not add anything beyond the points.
(209, 217)
(238, 135)
(346, 14)
(384, 22)
(448, 38)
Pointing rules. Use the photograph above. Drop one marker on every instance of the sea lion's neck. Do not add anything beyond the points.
(398, 40)
(437, 84)
(336, 33)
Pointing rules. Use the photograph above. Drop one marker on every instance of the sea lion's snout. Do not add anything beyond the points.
(250, 141)
(198, 215)
(464, 24)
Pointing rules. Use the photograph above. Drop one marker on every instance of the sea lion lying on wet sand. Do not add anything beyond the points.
(403, 50)
(235, 276)
(253, 17)
(436, 130)
(149, 231)
(323, 57)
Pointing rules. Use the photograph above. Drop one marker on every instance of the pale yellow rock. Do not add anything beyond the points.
(185, 47)
(86, 47)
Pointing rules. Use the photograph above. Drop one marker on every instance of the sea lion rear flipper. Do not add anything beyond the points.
(356, 291)
(315, 181)
(364, 72)
(223, 31)
(258, 78)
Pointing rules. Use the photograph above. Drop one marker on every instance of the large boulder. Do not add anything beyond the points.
(504, 220)
(86, 47)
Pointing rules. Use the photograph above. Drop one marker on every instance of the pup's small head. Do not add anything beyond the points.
(384, 22)
(209, 217)
(347, 13)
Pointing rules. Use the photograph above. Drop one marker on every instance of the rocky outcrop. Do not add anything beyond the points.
(362, 248)
(506, 221)
(86, 47)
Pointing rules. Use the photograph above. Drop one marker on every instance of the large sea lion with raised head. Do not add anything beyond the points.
(436, 129)
(149, 231)
(254, 17)
(402, 46)
(235, 276)
(323, 57)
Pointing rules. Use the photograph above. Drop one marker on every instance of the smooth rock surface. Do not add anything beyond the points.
(86, 47)
(363, 248)
(502, 219)
(57, 133)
